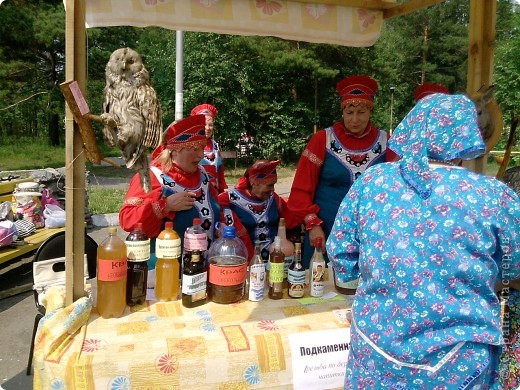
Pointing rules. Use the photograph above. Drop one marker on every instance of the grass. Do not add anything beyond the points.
(105, 200)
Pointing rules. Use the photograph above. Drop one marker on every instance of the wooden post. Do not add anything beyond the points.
(481, 50)
(75, 69)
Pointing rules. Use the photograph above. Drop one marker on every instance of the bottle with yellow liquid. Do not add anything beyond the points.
(111, 275)
(167, 269)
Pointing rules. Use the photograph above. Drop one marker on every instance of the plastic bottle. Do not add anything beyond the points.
(296, 274)
(317, 270)
(167, 269)
(227, 268)
(194, 274)
(276, 266)
(286, 246)
(111, 275)
(137, 252)
(256, 276)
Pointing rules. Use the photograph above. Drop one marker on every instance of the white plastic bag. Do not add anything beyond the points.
(54, 216)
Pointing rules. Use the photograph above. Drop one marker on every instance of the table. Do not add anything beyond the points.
(163, 345)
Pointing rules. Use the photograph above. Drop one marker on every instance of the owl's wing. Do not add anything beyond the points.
(151, 111)
(109, 133)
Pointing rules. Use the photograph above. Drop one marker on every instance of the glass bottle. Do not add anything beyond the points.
(227, 268)
(137, 253)
(347, 288)
(317, 270)
(286, 246)
(194, 281)
(276, 266)
(194, 272)
(296, 274)
(167, 269)
(111, 275)
(256, 276)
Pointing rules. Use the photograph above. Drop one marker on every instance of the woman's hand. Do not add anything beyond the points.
(180, 201)
(314, 233)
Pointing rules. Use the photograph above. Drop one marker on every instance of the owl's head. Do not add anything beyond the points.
(126, 65)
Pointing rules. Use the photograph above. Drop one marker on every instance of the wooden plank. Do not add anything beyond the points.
(41, 235)
(228, 154)
(12, 252)
(7, 187)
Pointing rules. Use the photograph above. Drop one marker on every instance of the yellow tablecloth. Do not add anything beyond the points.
(163, 345)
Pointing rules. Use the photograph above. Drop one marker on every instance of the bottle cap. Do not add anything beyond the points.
(168, 225)
(138, 225)
(319, 242)
(196, 221)
(112, 229)
(230, 232)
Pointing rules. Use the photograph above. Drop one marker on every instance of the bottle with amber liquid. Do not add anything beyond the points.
(346, 288)
(296, 274)
(137, 253)
(317, 270)
(227, 268)
(167, 269)
(286, 246)
(111, 275)
(276, 266)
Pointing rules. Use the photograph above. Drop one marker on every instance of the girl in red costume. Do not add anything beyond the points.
(333, 159)
(212, 161)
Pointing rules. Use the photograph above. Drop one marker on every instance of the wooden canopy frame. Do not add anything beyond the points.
(481, 49)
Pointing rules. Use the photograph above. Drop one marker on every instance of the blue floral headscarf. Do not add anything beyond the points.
(441, 127)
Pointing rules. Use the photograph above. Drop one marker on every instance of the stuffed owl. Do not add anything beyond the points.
(131, 103)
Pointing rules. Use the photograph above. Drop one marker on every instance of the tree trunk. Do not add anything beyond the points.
(54, 129)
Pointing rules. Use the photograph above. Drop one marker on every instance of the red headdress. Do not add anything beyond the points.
(184, 134)
(261, 172)
(356, 90)
(205, 109)
(428, 89)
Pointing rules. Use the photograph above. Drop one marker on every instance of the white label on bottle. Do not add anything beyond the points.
(317, 279)
(196, 242)
(191, 284)
(168, 249)
(256, 282)
(138, 250)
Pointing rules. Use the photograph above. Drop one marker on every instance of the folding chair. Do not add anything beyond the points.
(49, 263)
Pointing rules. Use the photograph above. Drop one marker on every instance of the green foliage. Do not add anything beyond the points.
(273, 89)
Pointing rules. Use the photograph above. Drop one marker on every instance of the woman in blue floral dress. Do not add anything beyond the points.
(428, 239)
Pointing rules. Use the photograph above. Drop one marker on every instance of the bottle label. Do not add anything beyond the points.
(138, 250)
(287, 263)
(256, 282)
(276, 272)
(192, 284)
(228, 275)
(296, 277)
(168, 249)
(111, 270)
(195, 242)
(317, 279)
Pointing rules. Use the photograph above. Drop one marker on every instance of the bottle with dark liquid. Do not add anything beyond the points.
(227, 268)
(276, 267)
(347, 288)
(194, 281)
(111, 275)
(296, 274)
(137, 253)
(194, 274)
(167, 269)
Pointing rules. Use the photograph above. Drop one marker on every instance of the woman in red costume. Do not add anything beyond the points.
(212, 161)
(181, 189)
(333, 159)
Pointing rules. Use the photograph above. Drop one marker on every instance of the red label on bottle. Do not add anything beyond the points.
(227, 275)
(111, 270)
